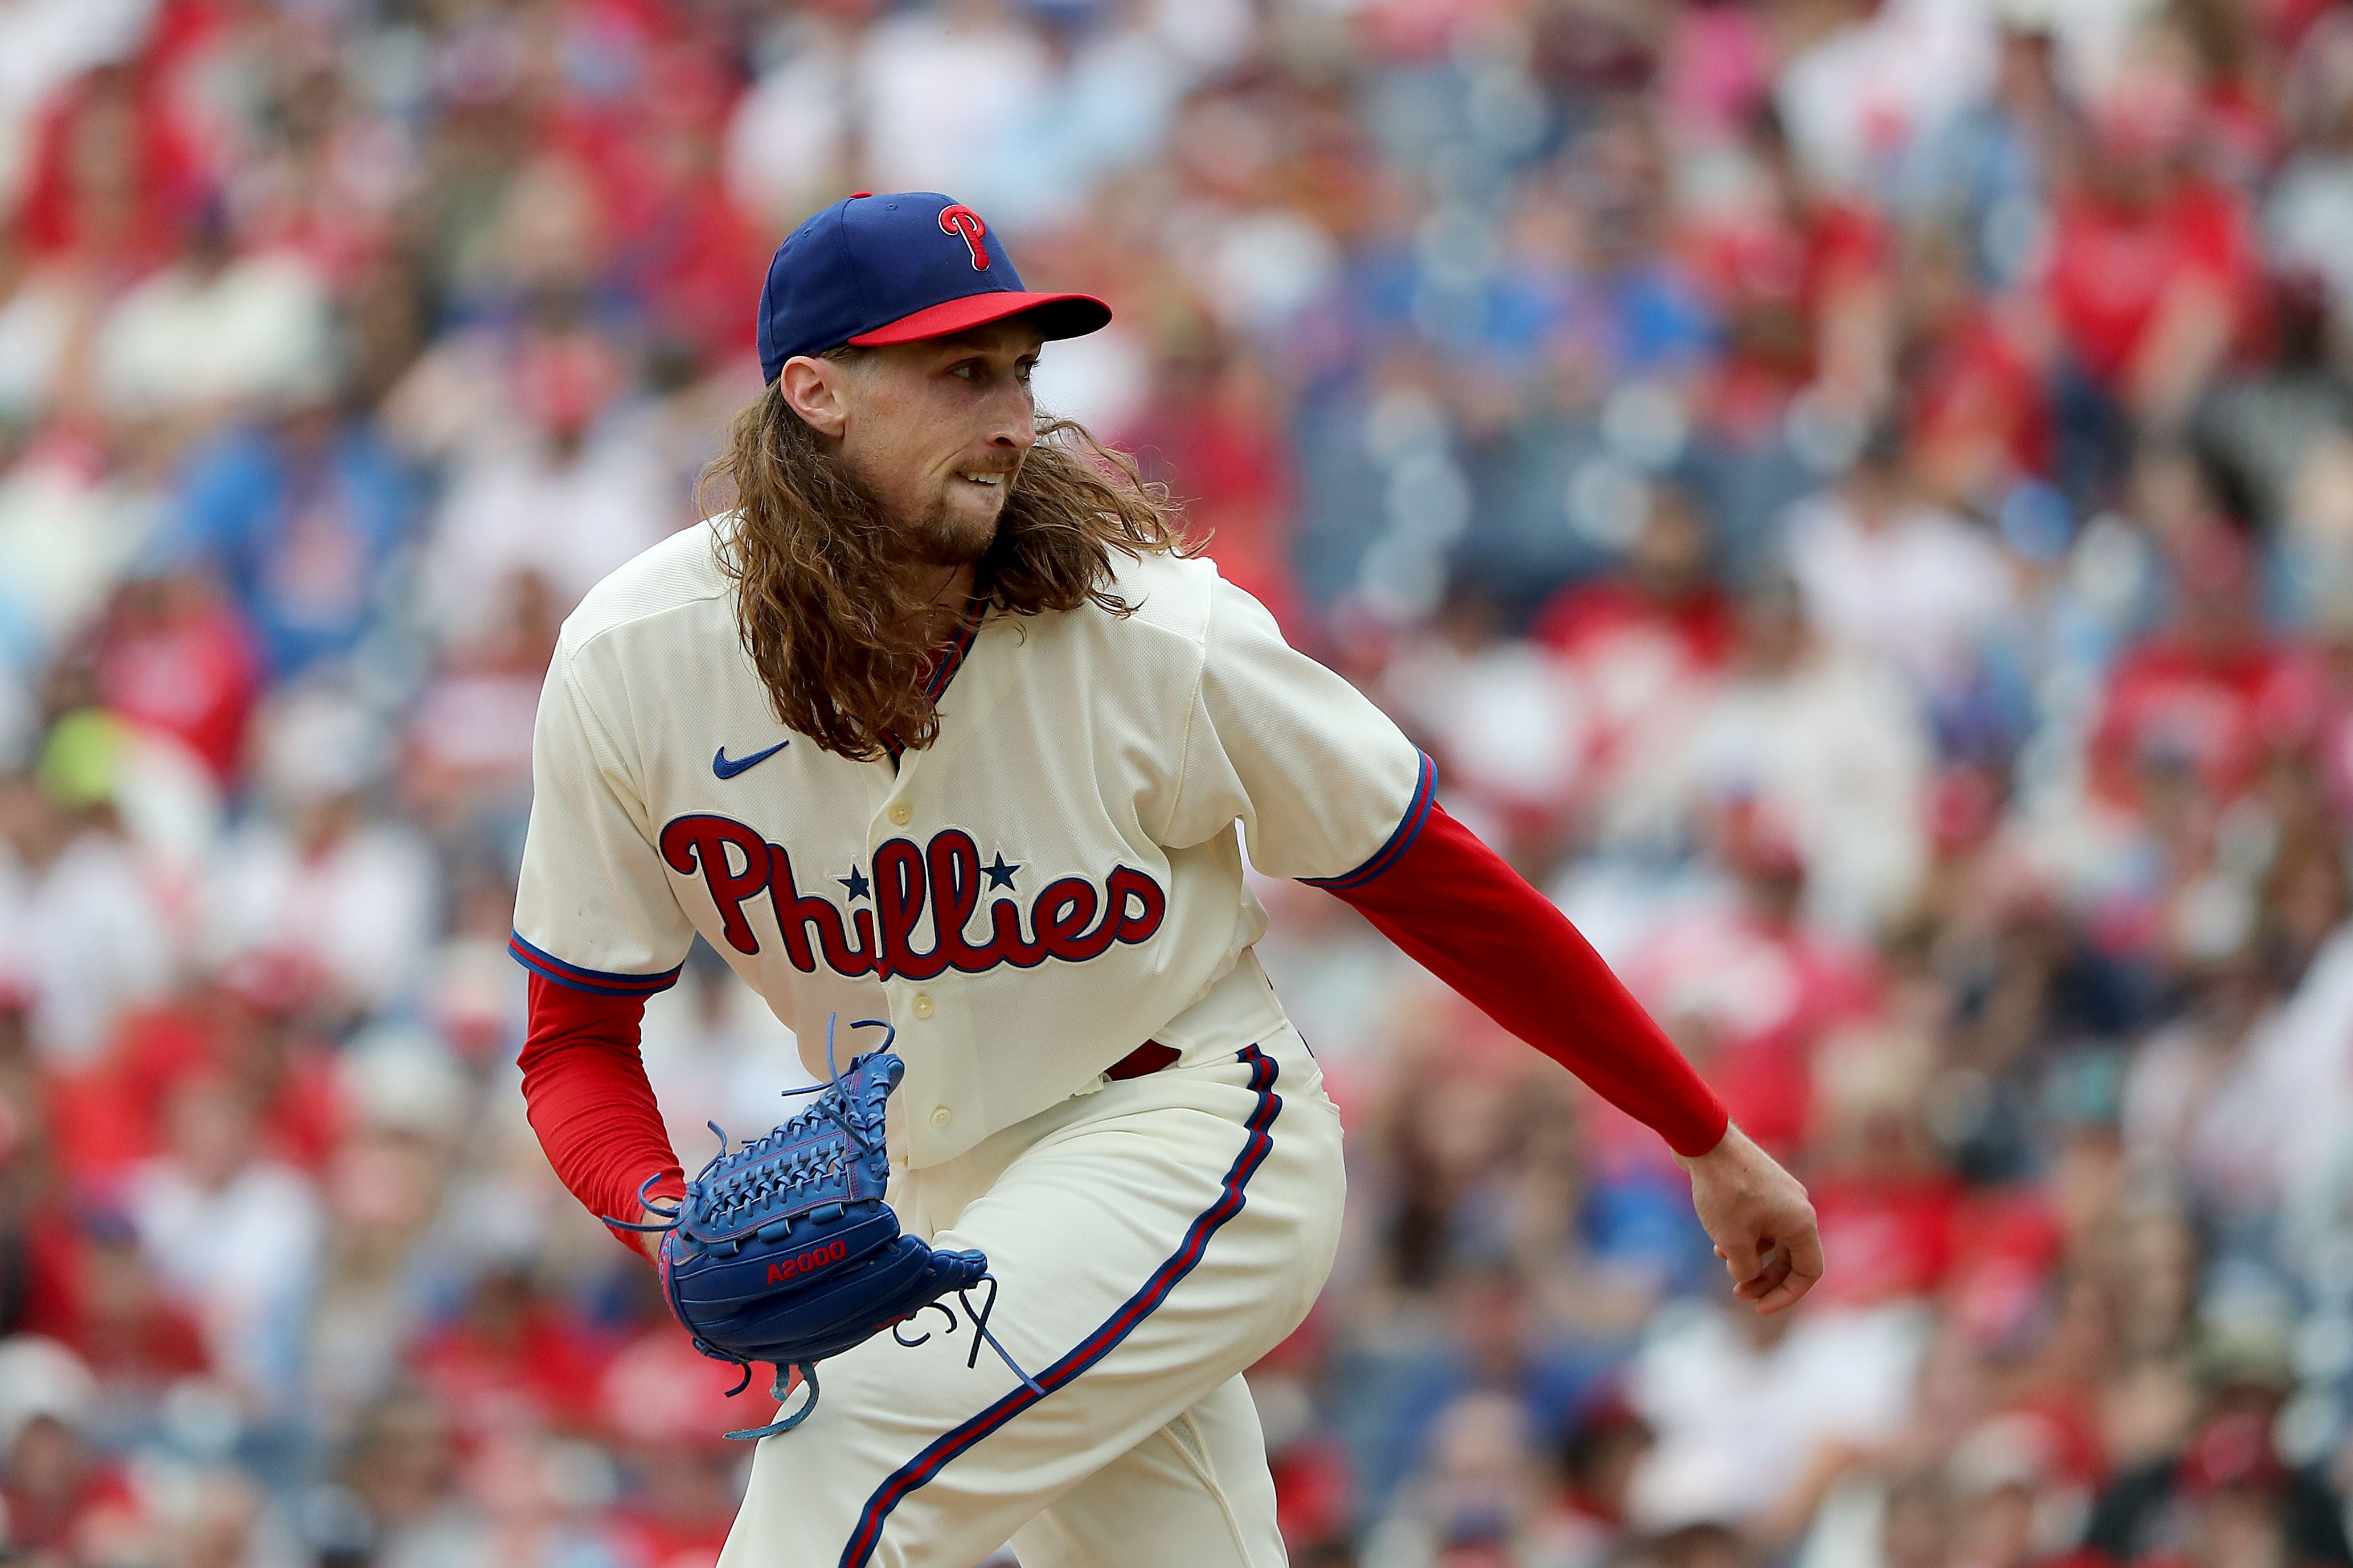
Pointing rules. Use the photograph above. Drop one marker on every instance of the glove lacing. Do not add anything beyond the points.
(754, 1186)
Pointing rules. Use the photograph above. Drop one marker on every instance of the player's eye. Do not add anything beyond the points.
(969, 369)
(1025, 369)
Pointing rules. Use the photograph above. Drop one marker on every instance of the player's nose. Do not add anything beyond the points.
(1012, 418)
(1016, 432)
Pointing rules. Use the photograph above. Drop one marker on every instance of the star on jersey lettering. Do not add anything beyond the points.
(999, 873)
(856, 883)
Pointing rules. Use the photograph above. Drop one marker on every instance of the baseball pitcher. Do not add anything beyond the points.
(946, 745)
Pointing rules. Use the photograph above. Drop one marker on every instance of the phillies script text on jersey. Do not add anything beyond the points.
(1069, 918)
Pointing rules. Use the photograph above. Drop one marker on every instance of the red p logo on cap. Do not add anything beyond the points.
(961, 220)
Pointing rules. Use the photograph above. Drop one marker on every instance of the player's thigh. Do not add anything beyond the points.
(1148, 1251)
(1195, 1494)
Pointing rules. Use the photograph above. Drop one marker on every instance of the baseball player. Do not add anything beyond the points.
(943, 727)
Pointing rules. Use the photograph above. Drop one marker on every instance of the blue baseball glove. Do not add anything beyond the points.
(783, 1251)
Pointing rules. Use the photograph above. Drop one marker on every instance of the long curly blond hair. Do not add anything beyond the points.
(824, 602)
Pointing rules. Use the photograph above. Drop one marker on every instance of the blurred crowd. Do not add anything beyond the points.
(1856, 497)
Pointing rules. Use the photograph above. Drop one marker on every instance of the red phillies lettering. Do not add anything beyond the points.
(961, 220)
(798, 914)
(1072, 918)
(1128, 886)
(1006, 944)
(899, 896)
(700, 843)
(953, 861)
(1061, 916)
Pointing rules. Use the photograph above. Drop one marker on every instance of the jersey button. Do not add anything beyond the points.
(923, 1003)
(941, 1116)
(900, 813)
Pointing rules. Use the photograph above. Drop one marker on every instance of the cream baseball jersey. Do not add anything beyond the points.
(1053, 881)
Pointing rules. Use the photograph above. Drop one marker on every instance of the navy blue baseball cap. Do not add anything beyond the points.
(897, 268)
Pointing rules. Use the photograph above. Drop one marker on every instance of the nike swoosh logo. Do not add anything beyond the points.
(727, 770)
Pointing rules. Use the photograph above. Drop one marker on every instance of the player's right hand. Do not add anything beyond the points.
(1760, 1220)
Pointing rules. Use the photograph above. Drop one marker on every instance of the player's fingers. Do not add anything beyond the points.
(1772, 1267)
(1804, 1269)
(1743, 1259)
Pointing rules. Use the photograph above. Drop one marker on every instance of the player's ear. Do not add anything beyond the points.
(812, 389)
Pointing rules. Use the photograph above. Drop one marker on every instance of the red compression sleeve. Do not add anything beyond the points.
(585, 1092)
(1452, 903)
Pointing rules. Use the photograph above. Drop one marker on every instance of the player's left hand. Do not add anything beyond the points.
(1760, 1220)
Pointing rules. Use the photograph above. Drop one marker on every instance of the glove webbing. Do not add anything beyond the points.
(752, 1194)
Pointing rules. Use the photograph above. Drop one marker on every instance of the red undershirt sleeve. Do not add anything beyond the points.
(585, 1088)
(1453, 905)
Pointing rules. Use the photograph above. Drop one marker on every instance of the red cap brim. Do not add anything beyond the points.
(1056, 315)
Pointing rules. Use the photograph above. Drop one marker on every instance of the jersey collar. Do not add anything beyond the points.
(939, 669)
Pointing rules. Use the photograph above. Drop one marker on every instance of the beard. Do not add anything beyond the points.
(944, 537)
(936, 533)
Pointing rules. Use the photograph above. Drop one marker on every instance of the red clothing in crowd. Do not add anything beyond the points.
(1799, 262)
(646, 1541)
(1229, 467)
(542, 1370)
(1591, 621)
(2006, 1242)
(43, 1527)
(1778, 279)
(2218, 712)
(111, 173)
(1641, 661)
(1892, 1237)
(1315, 1490)
(95, 1298)
(1972, 387)
(1754, 999)
(189, 670)
(2112, 269)
(110, 1114)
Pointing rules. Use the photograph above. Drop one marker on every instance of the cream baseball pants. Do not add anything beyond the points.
(1153, 1239)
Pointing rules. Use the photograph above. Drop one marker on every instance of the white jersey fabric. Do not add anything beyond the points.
(1053, 881)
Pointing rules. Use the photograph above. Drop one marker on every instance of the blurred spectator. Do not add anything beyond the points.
(301, 517)
(1986, 176)
(214, 336)
(1892, 575)
(237, 1234)
(1836, 1382)
(317, 876)
(1645, 647)
(663, 1403)
(1603, 1453)
(1478, 1498)
(175, 658)
(574, 501)
(64, 1501)
(2209, 692)
(83, 932)
(1752, 990)
(1497, 714)
(2150, 265)
(1827, 748)
(511, 1362)
(2228, 1497)
(1205, 433)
